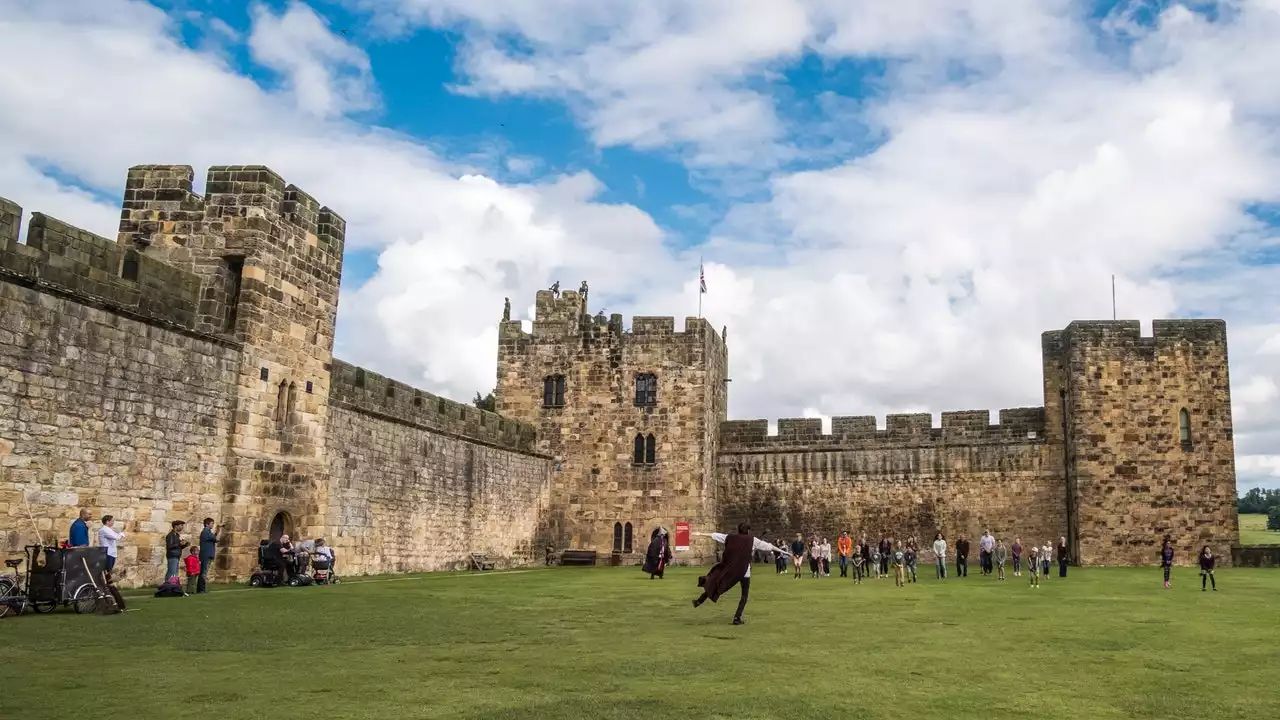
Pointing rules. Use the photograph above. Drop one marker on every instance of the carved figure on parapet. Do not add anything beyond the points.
(724, 334)
(555, 289)
(583, 292)
(506, 309)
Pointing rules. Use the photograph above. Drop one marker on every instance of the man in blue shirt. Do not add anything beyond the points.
(208, 548)
(80, 530)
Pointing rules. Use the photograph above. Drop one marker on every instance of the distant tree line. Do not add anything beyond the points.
(488, 403)
(1262, 501)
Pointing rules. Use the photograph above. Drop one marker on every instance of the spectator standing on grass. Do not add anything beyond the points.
(1046, 559)
(886, 549)
(859, 563)
(962, 556)
(108, 536)
(1166, 559)
(845, 546)
(899, 565)
(1207, 561)
(986, 544)
(1063, 553)
(1001, 556)
(910, 558)
(940, 555)
(866, 557)
(875, 562)
(79, 535)
(173, 546)
(193, 570)
(1033, 566)
(1017, 557)
(797, 554)
(208, 548)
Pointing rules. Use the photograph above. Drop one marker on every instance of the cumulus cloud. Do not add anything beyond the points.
(325, 74)
(1024, 156)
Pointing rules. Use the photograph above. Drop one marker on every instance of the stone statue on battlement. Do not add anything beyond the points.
(724, 334)
(555, 289)
(583, 292)
(506, 309)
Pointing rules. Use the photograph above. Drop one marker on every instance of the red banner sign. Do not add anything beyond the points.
(682, 535)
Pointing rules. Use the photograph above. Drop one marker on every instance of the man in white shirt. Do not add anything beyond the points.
(108, 536)
(733, 568)
(986, 544)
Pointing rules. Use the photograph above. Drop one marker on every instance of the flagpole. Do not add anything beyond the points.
(1113, 297)
(700, 281)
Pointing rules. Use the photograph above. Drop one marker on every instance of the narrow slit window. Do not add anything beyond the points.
(234, 269)
(1184, 426)
(292, 404)
(617, 537)
(281, 399)
(129, 268)
(626, 538)
(637, 454)
(650, 449)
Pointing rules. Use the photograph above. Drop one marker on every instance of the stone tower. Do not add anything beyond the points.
(1145, 427)
(269, 260)
(631, 417)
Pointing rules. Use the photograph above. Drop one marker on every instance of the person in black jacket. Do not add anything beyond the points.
(173, 547)
(1207, 561)
(962, 556)
(886, 549)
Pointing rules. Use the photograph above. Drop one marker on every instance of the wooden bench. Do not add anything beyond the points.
(481, 561)
(578, 557)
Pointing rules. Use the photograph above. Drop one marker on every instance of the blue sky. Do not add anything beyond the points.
(893, 200)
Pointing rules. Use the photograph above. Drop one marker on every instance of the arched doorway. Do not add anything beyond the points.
(281, 524)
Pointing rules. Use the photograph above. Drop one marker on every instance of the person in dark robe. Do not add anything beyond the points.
(658, 554)
(733, 569)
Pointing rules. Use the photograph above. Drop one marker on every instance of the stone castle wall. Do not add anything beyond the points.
(108, 398)
(185, 371)
(597, 488)
(908, 480)
(419, 482)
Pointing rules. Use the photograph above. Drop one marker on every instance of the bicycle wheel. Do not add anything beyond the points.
(85, 599)
(9, 596)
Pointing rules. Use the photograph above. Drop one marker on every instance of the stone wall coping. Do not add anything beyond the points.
(961, 427)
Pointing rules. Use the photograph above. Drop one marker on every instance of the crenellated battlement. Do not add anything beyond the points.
(161, 207)
(1129, 332)
(366, 391)
(1016, 425)
(65, 260)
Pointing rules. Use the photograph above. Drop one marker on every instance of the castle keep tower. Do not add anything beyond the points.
(269, 260)
(631, 418)
(1145, 423)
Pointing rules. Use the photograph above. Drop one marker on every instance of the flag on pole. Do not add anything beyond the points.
(702, 280)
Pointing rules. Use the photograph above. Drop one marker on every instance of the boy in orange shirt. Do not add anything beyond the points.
(845, 546)
(193, 569)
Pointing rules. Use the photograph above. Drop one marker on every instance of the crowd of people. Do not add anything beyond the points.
(199, 556)
(899, 557)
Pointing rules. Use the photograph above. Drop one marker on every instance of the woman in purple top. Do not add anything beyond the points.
(1016, 551)
(1166, 559)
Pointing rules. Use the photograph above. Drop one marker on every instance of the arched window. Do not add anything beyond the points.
(646, 390)
(644, 450)
(553, 391)
(281, 399)
(617, 537)
(293, 401)
(1184, 427)
(626, 538)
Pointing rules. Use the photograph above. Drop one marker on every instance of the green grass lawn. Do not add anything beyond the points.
(610, 643)
(1253, 531)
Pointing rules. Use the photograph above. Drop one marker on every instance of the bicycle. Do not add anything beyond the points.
(13, 595)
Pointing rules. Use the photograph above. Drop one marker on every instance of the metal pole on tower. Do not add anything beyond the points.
(1113, 297)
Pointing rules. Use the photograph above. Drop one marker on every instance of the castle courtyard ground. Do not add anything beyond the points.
(610, 643)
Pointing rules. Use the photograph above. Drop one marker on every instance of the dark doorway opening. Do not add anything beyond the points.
(281, 524)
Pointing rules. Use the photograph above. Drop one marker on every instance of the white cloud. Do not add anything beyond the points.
(915, 277)
(325, 74)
